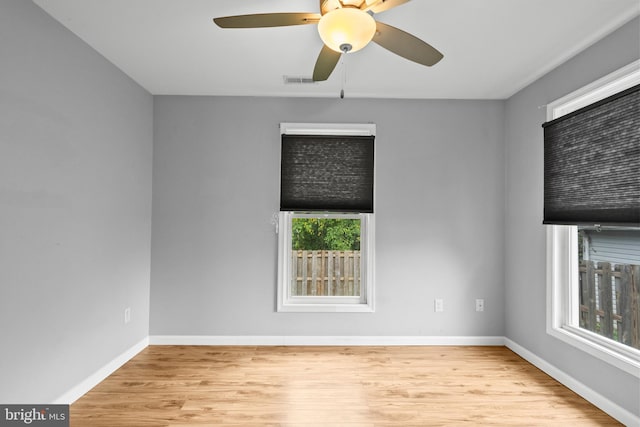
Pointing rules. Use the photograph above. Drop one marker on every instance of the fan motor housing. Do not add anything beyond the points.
(329, 5)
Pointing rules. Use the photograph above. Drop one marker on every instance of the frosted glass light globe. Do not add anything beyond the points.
(346, 29)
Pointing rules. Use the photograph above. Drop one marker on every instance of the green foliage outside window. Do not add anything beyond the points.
(337, 234)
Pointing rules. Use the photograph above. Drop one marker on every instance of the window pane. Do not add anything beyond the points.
(325, 257)
(609, 266)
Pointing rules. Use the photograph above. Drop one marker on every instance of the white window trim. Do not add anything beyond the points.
(562, 289)
(351, 129)
(289, 303)
(562, 256)
(365, 304)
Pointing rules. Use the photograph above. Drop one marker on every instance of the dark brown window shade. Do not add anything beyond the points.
(327, 173)
(592, 163)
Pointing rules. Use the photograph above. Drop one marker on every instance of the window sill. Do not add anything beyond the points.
(584, 341)
(325, 308)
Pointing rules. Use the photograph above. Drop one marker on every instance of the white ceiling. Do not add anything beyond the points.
(492, 48)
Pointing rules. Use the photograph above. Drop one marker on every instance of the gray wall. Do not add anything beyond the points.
(75, 207)
(525, 260)
(439, 216)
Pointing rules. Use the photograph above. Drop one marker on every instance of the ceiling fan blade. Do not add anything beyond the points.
(377, 6)
(404, 44)
(262, 20)
(326, 62)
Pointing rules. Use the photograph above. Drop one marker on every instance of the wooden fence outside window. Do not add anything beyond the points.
(610, 300)
(325, 273)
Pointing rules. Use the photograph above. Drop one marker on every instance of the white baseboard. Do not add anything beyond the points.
(83, 387)
(321, 340)
(611, 408)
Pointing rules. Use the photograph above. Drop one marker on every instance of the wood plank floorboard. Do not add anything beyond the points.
(179, 386)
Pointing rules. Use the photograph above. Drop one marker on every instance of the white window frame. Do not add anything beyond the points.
(562, 246)
(362, 303)
(365, 303)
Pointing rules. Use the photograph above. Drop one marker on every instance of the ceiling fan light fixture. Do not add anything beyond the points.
(346, 29)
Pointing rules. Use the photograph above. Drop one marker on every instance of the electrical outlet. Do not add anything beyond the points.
(127, 315)
(479, 305)
(438, 305)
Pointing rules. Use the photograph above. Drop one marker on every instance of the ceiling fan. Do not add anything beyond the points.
(344, 26)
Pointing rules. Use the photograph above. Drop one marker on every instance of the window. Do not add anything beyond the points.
(326, 220)
(593, 240)
(325, 260)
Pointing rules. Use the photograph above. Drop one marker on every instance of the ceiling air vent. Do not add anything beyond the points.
(293, 80)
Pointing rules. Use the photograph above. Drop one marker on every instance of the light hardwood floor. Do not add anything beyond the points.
(330, 386)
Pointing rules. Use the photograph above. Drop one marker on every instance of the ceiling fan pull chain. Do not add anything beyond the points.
(344, 75)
